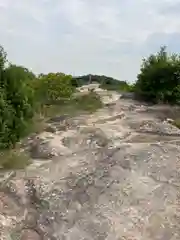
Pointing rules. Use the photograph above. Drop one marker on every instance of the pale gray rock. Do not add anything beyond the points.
(118, 178)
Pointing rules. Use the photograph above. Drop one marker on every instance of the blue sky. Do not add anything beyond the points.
(107, 37)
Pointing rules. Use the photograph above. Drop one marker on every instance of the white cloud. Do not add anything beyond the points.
(82, 36)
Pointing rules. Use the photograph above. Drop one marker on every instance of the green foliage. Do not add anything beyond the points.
(159, 78)
(90, 102)
(13, 159)
(2, 59)
(105, 82)
(73, 106)
(6, 121)
(176, 122)
(16, 102)
(53, 87)
(21, 95)
(25, 97)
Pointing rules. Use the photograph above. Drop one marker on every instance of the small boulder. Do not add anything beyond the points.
(31, 217)
(29, 234)
(51, 129)
(42, 150)
(169, 120)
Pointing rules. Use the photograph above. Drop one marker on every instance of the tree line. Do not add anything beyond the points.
(105, 82)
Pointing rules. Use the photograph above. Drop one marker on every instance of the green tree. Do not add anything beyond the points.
(21, 97)
(16, 101)
(159, 77)
(53, 86)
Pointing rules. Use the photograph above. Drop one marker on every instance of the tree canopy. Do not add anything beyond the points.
(159, 78)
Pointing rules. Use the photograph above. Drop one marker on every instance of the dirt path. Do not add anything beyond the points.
(112, 175)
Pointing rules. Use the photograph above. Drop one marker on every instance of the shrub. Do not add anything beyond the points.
(16, 102)
(13, 159)
(159, 78)
(21, 94)
(53, 87)
(90, 102)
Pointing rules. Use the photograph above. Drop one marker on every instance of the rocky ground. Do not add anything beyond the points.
(111, 175)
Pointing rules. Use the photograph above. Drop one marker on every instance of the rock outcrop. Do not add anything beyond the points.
(114, 174)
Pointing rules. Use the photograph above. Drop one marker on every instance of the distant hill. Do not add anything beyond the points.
(104, 81)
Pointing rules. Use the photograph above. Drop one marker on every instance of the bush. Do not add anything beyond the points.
(16, 101)
(21, 95)
(90, 102)
(159, 78)
(176, 123)
(13, 159)
(7, 114)
(53, 87)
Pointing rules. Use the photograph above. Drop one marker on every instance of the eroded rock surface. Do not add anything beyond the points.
(111, 175)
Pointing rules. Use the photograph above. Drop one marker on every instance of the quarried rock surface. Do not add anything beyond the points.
(113, 175)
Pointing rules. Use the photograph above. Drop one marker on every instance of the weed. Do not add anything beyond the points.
(13, 159)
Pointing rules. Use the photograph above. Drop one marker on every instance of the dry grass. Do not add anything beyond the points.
(83, 103)
(13, 159)
(177, 122)
(90, 102)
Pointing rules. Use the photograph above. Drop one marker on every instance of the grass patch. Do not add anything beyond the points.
(59, 108)
(90, 102)
(118, 87)
(177, 122)
(13, 159)
(85, 103)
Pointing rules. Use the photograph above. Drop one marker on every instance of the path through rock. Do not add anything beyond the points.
(112, 175)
